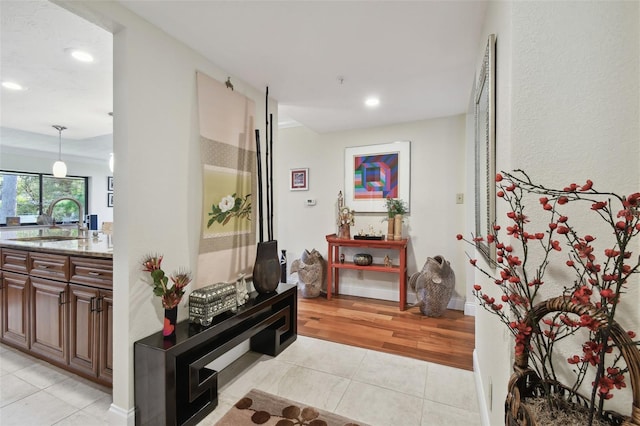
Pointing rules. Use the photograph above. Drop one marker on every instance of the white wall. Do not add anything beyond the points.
(157, 172)
(492, 356)
(568, 110)
(437, 174)
(96, 170)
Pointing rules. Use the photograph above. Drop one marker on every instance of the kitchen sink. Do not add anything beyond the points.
(46, 238)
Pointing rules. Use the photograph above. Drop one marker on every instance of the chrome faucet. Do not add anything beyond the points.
(82, 229)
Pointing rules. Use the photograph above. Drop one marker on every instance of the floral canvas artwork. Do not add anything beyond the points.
(227, 194)
(229, 186)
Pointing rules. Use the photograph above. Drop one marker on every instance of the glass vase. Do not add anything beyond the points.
(170, 317)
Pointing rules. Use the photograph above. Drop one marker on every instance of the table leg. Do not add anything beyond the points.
(336, 255)
(330, 270)
(403, 278)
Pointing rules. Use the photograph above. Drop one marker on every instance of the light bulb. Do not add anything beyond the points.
(59, 169)
(372, 102)
(111, 162)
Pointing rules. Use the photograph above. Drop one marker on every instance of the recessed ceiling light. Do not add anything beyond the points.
(372, 102)
(82, 56)
(11, 85)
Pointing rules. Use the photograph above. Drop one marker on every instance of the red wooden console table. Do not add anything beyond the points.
(334, 265)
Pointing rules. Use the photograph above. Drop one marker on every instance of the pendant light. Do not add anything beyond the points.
(59, 168)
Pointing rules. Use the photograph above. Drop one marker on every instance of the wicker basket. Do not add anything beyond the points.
(525, 383)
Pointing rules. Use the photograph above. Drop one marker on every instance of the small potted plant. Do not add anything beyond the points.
(396, 208)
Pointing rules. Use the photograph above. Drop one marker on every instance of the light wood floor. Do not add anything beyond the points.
(380, 325)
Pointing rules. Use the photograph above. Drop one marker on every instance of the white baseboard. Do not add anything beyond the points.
(458, 303)
(470, 308)
(121, 417)
(482, 399)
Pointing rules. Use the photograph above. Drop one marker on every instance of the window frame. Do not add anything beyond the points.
(42, 209)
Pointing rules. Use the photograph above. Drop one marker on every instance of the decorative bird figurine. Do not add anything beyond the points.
(228, 83)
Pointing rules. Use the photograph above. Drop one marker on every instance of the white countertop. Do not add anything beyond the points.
(98, 246)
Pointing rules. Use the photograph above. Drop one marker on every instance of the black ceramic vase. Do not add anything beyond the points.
(170, 317)
(266, 271)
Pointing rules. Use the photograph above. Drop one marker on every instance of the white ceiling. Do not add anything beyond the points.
(36, 37)
(418, 57)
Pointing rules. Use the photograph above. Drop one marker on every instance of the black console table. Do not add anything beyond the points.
(173, 385)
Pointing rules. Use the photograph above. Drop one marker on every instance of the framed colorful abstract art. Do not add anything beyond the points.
(374, 173)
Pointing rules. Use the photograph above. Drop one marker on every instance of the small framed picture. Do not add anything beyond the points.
(109, 199)
(109, 183)
(299, 179)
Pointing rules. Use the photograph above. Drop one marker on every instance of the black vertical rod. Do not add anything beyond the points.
(266, 144)
(260, 220)
(271, 175)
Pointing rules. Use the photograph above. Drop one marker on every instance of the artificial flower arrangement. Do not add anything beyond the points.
(171, 295)
(602, 267)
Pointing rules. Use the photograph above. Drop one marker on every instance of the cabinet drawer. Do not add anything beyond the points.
(14, 260)
(94, 272)
(51, 266)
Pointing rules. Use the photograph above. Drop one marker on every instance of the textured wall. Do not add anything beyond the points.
(571, 76)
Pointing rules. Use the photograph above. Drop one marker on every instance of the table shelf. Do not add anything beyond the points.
(334, 266)
(373, 267)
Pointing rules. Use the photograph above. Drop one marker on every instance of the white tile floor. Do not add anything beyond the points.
(34, 393)
(369, 386)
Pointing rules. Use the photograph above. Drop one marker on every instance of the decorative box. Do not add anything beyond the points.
(207, 302)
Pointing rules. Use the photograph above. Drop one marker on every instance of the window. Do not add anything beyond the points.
(27, 195)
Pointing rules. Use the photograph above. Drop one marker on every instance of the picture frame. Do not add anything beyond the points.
(109, 199)
(109, 183)
(372, 173)
(485, 147)
(299, 179)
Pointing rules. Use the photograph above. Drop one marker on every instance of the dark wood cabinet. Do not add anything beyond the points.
(14, 301)
(14, 260)
(90, 331)
(105, 339)
(59, 308)
(92, 272)
(83, 329)
(50, 266)
(48, 319)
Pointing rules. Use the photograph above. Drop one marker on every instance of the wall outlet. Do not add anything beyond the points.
(460, 198)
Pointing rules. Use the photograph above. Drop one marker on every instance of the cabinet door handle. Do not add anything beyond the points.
(38, 266)
(61, 298)
(93, 273)
(99, 304)
(92, 304)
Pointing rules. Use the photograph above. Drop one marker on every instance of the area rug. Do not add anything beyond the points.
(261, 408)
